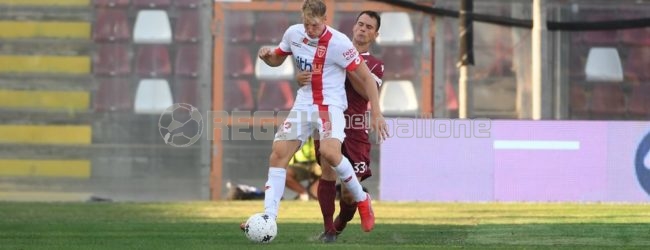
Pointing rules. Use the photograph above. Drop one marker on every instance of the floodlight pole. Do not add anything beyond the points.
(465, 99)
(541, 89)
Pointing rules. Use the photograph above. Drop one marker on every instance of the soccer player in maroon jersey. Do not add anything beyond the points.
(356, 146)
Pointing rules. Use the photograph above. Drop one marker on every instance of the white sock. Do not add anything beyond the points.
(274, 190)
(349, 179)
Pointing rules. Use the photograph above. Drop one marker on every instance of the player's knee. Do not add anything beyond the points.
(331, 155)
(281, 154)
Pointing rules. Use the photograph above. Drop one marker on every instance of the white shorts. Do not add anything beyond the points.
(304, 120)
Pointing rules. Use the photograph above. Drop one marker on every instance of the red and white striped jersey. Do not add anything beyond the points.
(327, 58)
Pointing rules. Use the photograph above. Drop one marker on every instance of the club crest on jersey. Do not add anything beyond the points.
(318, 69)
(321, 51)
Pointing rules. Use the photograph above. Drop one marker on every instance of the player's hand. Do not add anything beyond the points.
(265, 53)
(378, 126)
(303, 78)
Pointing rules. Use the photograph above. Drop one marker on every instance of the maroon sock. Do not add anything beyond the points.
(347, 211)
(326, 199)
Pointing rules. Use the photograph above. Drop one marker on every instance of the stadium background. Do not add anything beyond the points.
(82, 87)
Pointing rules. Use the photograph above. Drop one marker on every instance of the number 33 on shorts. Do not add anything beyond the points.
(360, 167)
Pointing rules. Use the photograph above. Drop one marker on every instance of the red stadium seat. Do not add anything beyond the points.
(238, 27)
(113, 94)
(187, 61)
(112, 3)
(578, 104)
(640, 37)
(113, 60)
(111, 26)
(152, 4)
(608, 100)
(639, 104)
(238, 62)
(186, 91)
(600, 38)
(346, 23)
(398, 62)
(636, 66)
(187, 3)
(270, 27)
(153, 61)
(188, 27)
(237, 95)
(275, 96)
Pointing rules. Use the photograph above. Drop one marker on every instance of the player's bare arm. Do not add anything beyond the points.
(358, 85)
(268, 55)
(377, 122)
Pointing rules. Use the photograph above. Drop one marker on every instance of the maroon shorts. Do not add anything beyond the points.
(356, 148)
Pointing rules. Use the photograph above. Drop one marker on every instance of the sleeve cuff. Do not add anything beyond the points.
(354, 64)
(280, 52)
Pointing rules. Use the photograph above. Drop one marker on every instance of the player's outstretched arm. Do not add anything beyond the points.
(369, 86)
(270, 57)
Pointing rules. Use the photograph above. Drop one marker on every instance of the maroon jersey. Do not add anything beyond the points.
(357, 105)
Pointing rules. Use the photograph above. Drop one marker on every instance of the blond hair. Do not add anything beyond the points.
(314, 8)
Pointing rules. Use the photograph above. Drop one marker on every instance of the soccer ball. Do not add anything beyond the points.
(181, 125)
(261, 228)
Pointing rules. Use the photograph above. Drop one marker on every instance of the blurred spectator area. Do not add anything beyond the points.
(87, 81)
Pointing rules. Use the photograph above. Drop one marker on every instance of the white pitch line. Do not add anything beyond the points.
(536, 144)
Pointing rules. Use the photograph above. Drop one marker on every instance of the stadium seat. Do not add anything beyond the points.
(607, 100)
(605, 38)
(153, 96)
(346, 22)
(112, 3)
(153, 4)
(186, 90)
(639, 103)
(113, 94)
(187, 61)
(266, 72)
(578, 103)
(398, 98)
(152, 27)
(275, 96)
(188, 27)
(187, 3)
(399, 62)
(237, 95)
(396, 29)
(603, 65)
(111, 26)
(636, 65)
(270, 26)
(636, 37)
(153, 61)
(238, 27)
(113, 60)
(239, 62)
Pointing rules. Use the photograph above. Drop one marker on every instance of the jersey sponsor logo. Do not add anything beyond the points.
(357, 61)
(351, 53)
(296, 44)
(347, 179)
(303, 64)
(321, 51)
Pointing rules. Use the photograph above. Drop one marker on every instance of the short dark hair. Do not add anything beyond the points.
(372, 14)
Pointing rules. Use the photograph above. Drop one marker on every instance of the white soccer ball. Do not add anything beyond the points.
(261, 228)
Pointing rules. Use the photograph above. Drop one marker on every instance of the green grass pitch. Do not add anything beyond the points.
(215, 225)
